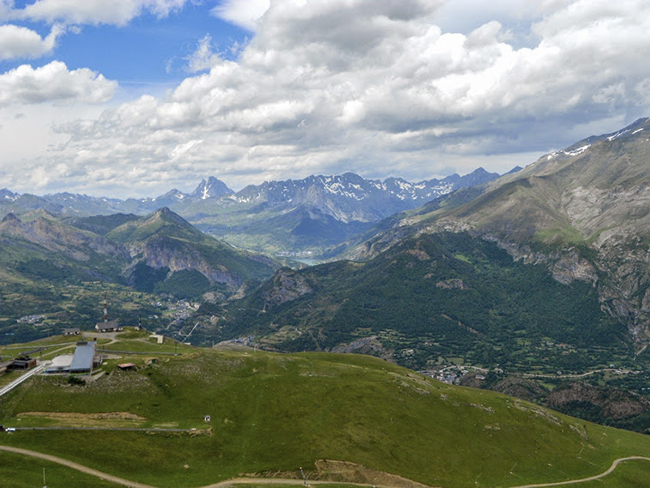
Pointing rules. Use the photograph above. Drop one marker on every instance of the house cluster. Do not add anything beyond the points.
(31, 319)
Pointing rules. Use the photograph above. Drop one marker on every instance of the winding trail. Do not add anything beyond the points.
(274, 481)
(78, 467)
(591, 478)
(133, 484)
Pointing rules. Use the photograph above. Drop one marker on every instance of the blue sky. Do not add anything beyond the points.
(148, 49)
(135, 97)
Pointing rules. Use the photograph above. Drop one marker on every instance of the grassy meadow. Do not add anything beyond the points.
(273, 413)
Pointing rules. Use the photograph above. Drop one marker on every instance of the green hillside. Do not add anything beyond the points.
(162, 222)
(54, 270)
(273, 413)
(433, 299)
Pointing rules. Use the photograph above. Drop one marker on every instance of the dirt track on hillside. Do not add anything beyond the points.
(584, 480)
(280, 481)
(78, 467)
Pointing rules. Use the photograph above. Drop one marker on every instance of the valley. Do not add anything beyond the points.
(532, 286)
(324, 243)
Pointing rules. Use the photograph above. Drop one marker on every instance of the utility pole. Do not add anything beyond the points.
(44, 483)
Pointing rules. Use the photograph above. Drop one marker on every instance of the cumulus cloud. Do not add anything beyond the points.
(20, 42)
(116, 12)
(374, 86)
(54, 82)
(244, 13)
(204, 57)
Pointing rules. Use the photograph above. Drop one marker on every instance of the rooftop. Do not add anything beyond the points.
(83, 357)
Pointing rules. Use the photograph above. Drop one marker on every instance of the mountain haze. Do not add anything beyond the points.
(286, 218)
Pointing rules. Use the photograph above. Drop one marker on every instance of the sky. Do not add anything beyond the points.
(131, 98)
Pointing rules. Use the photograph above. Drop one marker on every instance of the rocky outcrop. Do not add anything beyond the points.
(164, 252)
(367, 345)
(452, 284)
(286, 285)
(520, 388)
(608, 402)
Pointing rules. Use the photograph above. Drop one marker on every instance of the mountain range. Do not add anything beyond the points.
(583, 213)
(286, 218)
(544, 269)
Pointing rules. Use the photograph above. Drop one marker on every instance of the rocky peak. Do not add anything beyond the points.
(11, 217)
(7, 195)
(212, 188)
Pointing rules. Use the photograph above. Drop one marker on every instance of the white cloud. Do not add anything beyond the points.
(53, 82)
(116, 12)
(327, 85)
(203, 58)
(244, 13)
(20, 42)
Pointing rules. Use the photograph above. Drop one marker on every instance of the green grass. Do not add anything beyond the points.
(18, 471)
(630, 474)
(269, 414)
(169, 347)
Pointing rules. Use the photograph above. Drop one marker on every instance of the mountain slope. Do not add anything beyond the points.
(583, 212)
(164, 240)
(279, 413)
(54, 270)
(596, 186)
(432, 298)
(58, 247)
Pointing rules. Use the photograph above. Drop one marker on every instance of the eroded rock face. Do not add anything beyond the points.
(161, 253)
(609, 402)
(572, 267)
(286, 285)
(366, 345)
(520, 388)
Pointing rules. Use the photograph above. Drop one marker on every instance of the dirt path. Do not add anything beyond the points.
(133, 484)
(78, 467)
(280, 481)
(591, 478)
(273, 481)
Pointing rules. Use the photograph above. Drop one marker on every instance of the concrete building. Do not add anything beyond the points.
(60, 364)
(83, 360)
(84, 357)
(159, 338)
